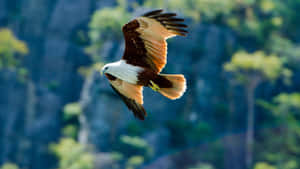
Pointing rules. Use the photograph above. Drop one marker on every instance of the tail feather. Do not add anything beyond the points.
(177, 87)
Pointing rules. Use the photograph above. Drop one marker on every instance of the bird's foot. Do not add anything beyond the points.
(154, 86)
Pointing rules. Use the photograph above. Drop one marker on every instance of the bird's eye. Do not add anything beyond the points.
(105, 68)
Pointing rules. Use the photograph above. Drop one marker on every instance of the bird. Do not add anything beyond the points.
(144, 57)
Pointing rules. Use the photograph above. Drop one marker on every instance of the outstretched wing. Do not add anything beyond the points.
(145, 38)
(131, 94)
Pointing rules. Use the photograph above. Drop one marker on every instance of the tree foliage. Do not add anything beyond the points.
(285, 109)
(9, 166)
(202, 166)
(71, 110)
(10, 49)
(107, 24)
(244, 64)
(134, 162)
(72, 155)
(263, 165)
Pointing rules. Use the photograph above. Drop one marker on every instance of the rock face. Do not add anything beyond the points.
(103, 117)
(31, 113)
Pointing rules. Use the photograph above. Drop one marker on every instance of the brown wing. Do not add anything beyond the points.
(145, 39)
(131, 94)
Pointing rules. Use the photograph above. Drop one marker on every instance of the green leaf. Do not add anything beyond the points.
(72, 155)
(72, 110)
(9, 166)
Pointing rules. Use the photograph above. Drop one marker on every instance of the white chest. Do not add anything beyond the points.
(125, 72)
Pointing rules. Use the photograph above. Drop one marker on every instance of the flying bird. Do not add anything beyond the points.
(144, 58)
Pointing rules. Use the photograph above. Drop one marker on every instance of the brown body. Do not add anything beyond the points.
(146, 76)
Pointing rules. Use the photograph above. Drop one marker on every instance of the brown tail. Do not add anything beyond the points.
(171, 86)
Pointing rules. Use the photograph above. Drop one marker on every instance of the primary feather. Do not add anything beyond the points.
(145, 38)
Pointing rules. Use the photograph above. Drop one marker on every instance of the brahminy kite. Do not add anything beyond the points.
(144, 57)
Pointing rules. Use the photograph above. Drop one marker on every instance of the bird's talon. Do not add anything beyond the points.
(154, 86)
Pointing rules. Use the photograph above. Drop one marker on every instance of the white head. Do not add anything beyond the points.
(110, 68)
(104, 69)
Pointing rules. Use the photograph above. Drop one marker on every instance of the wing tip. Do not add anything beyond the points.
(169, 21)
(140, 113)
(153, 12)
(137, 108)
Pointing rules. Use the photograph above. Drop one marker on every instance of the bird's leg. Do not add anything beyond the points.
(154, 86)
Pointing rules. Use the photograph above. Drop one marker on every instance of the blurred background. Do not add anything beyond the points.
(241, 109)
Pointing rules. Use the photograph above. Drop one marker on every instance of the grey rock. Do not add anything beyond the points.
(30, 115)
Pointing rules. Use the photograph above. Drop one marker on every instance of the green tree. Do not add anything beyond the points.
(107, 24)
(135, 146)
(285, 109)
(10, 49)
(9, 166)
(284, 47)
(202, 166)
(250, 70)
(195, 9)
(71, 110)
(263, 165)
(134, 162)
(71, 114)
(72, 155)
